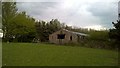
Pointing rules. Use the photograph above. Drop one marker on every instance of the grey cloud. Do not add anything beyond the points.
(107, 12)
(102, 13)
(38, 0)
(35, 8)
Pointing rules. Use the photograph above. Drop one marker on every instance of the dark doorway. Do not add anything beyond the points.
(78, 38)
(70, 38)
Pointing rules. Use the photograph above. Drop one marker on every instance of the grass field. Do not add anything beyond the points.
(36, 54)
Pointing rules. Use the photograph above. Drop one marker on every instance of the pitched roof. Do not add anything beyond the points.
(78, 33)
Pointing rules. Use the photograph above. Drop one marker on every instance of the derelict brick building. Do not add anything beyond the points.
(65, 36)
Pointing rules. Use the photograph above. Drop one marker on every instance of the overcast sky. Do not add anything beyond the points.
(79, 13)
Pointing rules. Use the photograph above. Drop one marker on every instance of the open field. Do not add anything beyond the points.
(36, 54)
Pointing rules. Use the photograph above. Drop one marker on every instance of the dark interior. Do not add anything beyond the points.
(60, 36)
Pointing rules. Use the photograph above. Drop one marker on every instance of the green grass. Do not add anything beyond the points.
(0, 53)
(34, 54)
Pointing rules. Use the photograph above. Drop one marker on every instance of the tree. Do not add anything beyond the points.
(115, 32)
(17, 26)
(0, 15)
(9, 12)
(23, 28)
(40, 28)
(44, 29)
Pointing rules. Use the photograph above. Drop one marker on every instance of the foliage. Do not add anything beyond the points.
(9, 12)
(16, 26)
(24, 27)
(45, 29)
(115, 32)
(0, 15)
(99, 35)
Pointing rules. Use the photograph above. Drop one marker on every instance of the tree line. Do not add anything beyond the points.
(20, 27)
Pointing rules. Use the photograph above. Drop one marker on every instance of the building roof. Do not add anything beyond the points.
(78, 33)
